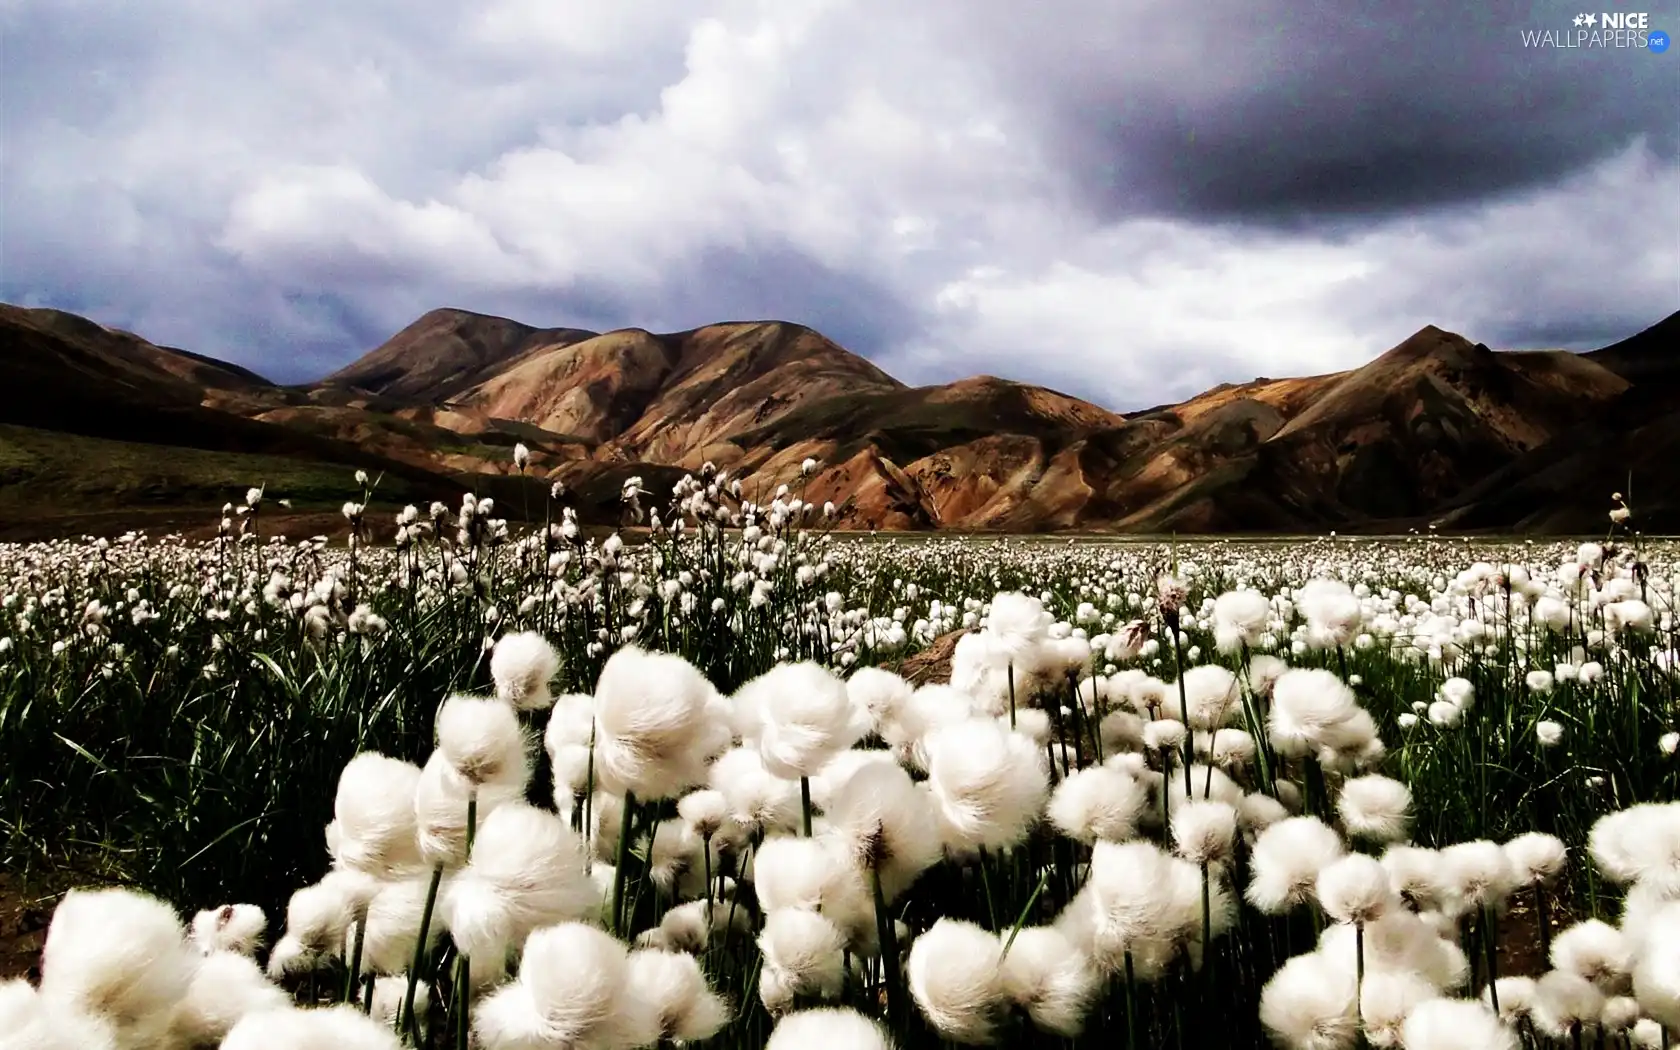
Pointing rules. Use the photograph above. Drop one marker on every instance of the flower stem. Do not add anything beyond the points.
(353, 974)
(888, 937)
(405, 1018)
(623, 855)
(805, 805)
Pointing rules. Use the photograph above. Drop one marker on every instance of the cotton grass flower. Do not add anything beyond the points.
(1310, 710)
(1211, 695)
(444, 802)
(1375, 808)
(569, 740)
(1164, 735)
(706, 812)
(1099, 802)
(672, 987)
(818, 875)
(522, 665)
(238, 928)
(830, 1028)
(805, 718)
(393, 930)
(650, 709)
(889, 824)
(760, 802)
(1263, 673)
(803, 956)
(1656, 966)
(1332, 612)
(120, 957)
(34, 1023)
(956, 981)
(1456, 1024)
(481, 739)
(839, 769)
(1567, 1005)
(1017, 623)
(573, 990)
(225, 988)
(1286, 861)
(1538, 858)
(1516, 998)
(1204, 832)
(1047, 976)
(374, 818)
(929, 708)
(1479, 874)
(1417, 874)
(1145, 908)
(1639, 844)
(987, 785)
(337, 1028)
(1257, 812)
(1597, 951)
(527, 870)
(318, 917)
(1231, 749)
(1356, 889)
(989, 673)
(693, 926)
(877, 695)
(1240, 619)
(1399, 941)
(1386, 999)
(1310, 1004)
(1620, 1014)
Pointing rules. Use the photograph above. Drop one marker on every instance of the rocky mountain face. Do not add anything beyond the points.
(1436, 430)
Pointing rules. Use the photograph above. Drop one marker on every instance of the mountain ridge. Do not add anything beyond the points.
(1437, 428)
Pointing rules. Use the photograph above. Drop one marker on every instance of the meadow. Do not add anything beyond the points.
(522, 788)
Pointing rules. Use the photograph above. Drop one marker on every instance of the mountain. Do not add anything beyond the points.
(446, 351)
(1630, 445)
(662, 398)
(95, 420)
(1649, 355)
(1436, 430)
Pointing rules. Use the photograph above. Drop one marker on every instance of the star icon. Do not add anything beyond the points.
(1580, 20)
(1592, 20)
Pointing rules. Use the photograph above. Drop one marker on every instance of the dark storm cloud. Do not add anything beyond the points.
(1283, 111)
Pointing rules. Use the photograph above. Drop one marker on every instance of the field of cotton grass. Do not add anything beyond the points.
(525, 789)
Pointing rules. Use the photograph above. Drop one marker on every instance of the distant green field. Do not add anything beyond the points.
(45, 471)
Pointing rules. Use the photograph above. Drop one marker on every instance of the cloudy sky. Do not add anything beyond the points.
(1105, 196)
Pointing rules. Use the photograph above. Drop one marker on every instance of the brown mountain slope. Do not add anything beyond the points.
(667, 398)
(1653, 354)
(96, 420)
(970, 454)
(59, 342)
(1630, 445)
(444, 352)
(1418, 426)
(729, 378)
(1422, 423)
(592, 389)
(1287, 396)
(1436, 428)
